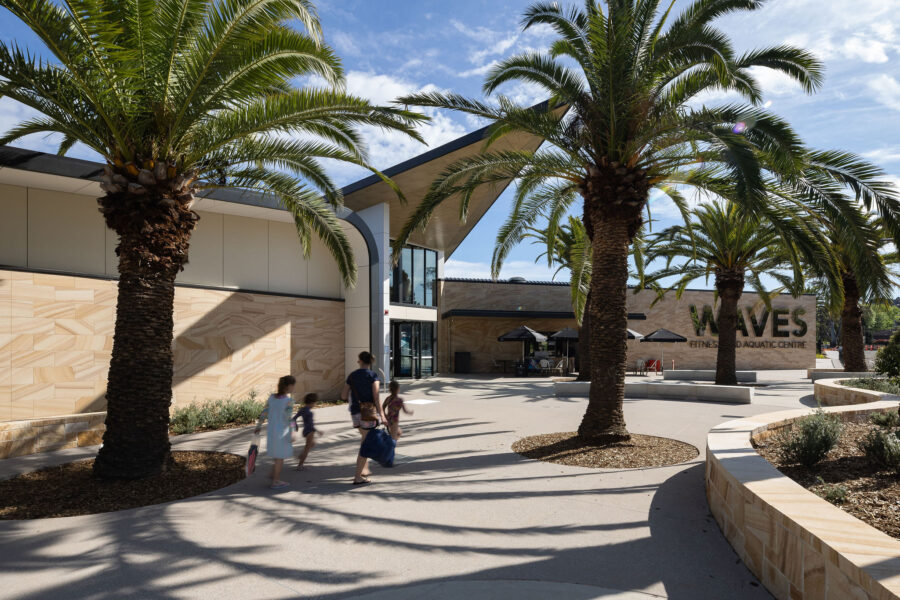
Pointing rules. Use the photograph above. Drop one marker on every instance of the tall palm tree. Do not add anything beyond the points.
(865, 276)
(179, 96)
(737, 249)
(629, 75)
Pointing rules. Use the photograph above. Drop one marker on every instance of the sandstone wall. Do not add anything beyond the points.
(56, 341)
(784, 345)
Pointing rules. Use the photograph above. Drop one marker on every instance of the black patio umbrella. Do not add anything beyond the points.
(663, 336)
(633, 335)
(567, 334)
(522, 334)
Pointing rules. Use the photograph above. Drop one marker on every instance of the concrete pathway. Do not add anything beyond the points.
(461, 516)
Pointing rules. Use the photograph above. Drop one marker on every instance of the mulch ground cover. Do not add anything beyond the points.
(70, 489)
(873, 493)
(640, 452)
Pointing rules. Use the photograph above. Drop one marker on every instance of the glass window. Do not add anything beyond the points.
(406, 276)
(419, 276)
(427, 349)
(414, 279)
(430, 277)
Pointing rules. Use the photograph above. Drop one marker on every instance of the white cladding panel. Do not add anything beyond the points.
(205, 255)
(65, 232)
(247, 253)
(13, 225)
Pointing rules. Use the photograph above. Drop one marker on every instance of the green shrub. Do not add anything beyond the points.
(883, 448)
(811, 438)
(833, 492)
(215, 414)
(888, 419)
(876, 384)
(887, 360)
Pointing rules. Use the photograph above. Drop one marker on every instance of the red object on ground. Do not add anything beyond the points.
(653, 365)
(252, 454)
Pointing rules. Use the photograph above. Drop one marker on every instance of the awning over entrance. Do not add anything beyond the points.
(525, 314)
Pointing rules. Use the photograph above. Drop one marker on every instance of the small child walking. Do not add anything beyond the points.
(278, 433)
(392, 406)
(309, 429)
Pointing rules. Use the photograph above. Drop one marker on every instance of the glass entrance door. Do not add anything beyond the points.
(412, 345)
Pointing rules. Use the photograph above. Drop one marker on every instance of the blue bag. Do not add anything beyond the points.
(379, 446)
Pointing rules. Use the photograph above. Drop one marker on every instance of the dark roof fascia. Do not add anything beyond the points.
(50, 164)
(525, 314)
(504, 281)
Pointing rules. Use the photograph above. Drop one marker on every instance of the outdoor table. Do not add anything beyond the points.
(504, 364)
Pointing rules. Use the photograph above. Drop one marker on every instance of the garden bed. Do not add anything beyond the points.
(847, 478)
(875, 384)
(71, 489)
(640, 452)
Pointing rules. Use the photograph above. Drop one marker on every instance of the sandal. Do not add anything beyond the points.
(279, 485)
(362, 481)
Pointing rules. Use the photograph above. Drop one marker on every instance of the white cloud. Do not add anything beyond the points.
(867, 50)
(13, 113)
(387, 148)
(479, 71)
(345, 43)
(513, 268)
(885, 90)
(775, 83)
(884, 155)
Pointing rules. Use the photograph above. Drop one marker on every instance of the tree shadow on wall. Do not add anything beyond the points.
(236, 329)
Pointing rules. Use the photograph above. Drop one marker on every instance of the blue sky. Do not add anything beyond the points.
(393, 47)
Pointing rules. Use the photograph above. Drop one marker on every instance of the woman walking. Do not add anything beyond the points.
(361, 389)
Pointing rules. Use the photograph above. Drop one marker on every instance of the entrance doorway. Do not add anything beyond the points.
(412, 349)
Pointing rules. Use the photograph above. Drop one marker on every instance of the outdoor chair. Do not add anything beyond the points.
(560, 367)
(545, 366)
(640, 367)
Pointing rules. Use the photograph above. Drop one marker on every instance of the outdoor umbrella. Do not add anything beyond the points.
(663, 336)
(567, 334)
(522, 334)
(633, 335)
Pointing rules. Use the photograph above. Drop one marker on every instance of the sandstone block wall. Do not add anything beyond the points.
(777, 347)
(56, 342)
(800, 546)
(18, 438)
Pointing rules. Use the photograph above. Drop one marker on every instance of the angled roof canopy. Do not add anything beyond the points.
(445, 231)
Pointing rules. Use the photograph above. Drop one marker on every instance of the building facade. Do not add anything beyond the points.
(474, 313)
(249, 307)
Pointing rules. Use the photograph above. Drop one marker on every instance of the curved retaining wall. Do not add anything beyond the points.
(830, 392)
(800, 546)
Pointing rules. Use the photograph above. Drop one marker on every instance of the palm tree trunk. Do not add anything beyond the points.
(604, 420)
(730, 285)
(154, 228)
(851, 326)
(139, 389)
(584, 343)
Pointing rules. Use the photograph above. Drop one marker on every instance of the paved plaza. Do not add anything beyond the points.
(461, 516)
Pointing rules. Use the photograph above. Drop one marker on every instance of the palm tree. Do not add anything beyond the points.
(626, 74)
(179, 96)
(865, 276)
(567, 247)
(723, 241)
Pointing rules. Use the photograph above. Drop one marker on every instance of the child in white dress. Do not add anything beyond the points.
(278, 434)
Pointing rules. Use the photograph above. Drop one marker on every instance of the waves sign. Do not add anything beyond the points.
(778, 323)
